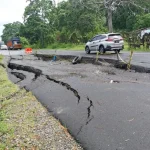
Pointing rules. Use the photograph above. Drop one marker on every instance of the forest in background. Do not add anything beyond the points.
(76, 21)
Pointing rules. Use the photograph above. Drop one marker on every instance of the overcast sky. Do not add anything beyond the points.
(12, 10)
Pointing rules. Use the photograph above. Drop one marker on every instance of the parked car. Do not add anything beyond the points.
(3, 47)
(105, 42)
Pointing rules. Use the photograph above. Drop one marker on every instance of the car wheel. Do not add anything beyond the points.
(101, 49)
(87, 50)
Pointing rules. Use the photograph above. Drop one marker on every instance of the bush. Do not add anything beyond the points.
(35, 46)
(25, 42)
(142, 21)
(54, 46)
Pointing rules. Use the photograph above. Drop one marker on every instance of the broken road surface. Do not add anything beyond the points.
(99, 114)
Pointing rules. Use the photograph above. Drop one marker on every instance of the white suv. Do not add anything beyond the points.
(105, 42)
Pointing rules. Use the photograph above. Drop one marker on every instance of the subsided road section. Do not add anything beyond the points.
(139, 58)
(99, 114)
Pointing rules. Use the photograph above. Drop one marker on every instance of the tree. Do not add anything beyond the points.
(78, 21)
(44, 23)
(142, 21)
(124, 18)
(111, 6)
(24, 42)
(36, 22)
(11, 30)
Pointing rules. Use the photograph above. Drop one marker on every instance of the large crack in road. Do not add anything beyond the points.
(96, 112)
(65, 85)
(89, 108)
(38, 73)
(19, 75)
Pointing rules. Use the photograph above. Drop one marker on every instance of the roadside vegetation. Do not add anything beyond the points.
(25, 124)
(71, 23)
(81, 47)
(69, 46)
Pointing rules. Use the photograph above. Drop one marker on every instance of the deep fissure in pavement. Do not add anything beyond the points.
(38, 73)
(19, 75)
(115, 63)
(89, 117)
(89, 108)
(13, 66)
(67, 86)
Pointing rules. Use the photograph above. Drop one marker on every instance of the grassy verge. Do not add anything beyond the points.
(141, 49)
(11, 110)
(25, 124)
(69, 46)
(81, 47)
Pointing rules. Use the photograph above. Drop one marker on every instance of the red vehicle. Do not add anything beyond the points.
(14, 43)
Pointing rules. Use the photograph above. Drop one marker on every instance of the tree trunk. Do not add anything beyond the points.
(110, 25)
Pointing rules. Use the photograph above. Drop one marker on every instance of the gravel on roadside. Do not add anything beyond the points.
(31, 126)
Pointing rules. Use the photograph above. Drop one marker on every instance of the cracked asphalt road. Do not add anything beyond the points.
(139, 58)
(99, 114)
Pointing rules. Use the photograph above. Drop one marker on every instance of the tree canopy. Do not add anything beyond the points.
(75, 21)
(11, 30)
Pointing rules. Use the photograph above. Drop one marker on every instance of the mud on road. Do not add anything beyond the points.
(103, 107)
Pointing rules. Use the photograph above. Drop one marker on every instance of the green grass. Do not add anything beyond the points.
(3, 127)
(81, 47)
(6, 87)
(12, 110)
(1, 57)
(63, 46)
(141, 49)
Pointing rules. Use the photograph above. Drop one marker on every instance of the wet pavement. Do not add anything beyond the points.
(104, 108)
